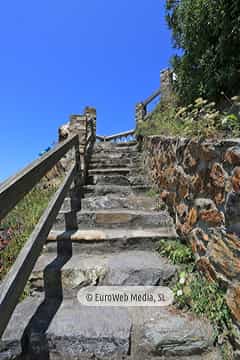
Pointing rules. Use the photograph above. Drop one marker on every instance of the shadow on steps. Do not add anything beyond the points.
(34, 340)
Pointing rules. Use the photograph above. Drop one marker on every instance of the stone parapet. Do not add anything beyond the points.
(85, 126)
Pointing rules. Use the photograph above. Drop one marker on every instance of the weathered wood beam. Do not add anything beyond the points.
(152, 97)
(115, 136)
(101, 138)
(17, 186)
(15, 281)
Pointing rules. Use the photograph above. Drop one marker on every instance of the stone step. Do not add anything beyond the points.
(106, 240)
(110, 171)
(117, 180)
(111, 152)
(137, 202)
(108, 180)
(129, 268)
(116, 155)
(110, 145)
(116, 159)
(71, 204)
(115, 218)
(54, 329)
(101, 190)
(66, 330)
(111, 164)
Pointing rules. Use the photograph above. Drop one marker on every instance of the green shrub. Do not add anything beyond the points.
(152, 193)
(177, 252)
(203, 298)
(196, 294)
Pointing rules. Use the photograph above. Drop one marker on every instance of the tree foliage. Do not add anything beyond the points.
(208, 34)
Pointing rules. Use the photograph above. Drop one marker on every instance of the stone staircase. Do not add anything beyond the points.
(110, 241)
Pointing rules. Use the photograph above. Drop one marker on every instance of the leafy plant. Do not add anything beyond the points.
(231, 123)
(151, 193)
(195, 293)
(177, 252)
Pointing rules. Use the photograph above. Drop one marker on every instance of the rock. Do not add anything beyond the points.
(205, 266)
(217, 254)
(232, 155)
(232, 207)
(138, 268)
(233, 300)
(236, 338)
(182, 210)
(236, 355)
(224, 255)
(232, 212)
(218, 175)
(217, 182)
(190, 220)
(204, 204)
(212, 218)
(236, 179)
(198, 184)
(171, 334)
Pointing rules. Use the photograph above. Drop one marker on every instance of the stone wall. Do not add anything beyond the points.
(200, 182)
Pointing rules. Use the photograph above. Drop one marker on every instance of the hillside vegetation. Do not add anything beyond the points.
(200, 119)
(204, 103)
(16, 228)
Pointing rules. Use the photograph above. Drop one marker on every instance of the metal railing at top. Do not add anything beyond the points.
(11, 192)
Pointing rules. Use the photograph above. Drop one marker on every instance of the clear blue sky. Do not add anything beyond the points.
(57, 56)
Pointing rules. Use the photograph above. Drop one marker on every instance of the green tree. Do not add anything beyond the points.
(207, 32)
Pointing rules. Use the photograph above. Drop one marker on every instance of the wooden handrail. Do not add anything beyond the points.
(152, 97)
(11, 192)
(15, 281)
(16, 187)
(100, 137)
(115, 136)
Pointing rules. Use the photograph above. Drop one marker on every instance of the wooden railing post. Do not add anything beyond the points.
(78, 175)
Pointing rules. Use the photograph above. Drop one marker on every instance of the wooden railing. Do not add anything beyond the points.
(152, 97)
(142, 113)
(116, 137)
(11, 192)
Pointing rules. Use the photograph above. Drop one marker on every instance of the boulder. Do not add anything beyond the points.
(173, 334)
